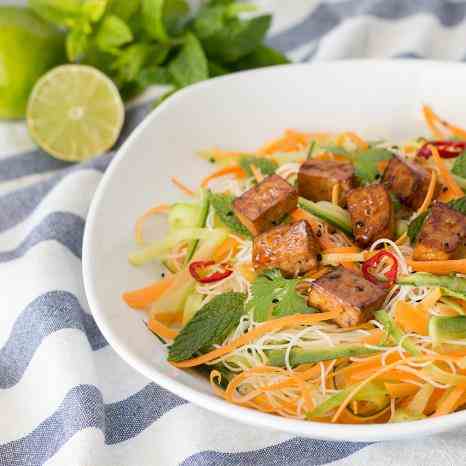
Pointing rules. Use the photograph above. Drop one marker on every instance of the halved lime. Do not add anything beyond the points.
(75, 112)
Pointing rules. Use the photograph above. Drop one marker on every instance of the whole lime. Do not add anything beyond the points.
(28, 48)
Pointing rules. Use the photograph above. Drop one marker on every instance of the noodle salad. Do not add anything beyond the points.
(321, 277)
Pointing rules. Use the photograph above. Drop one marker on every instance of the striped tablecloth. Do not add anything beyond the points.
(66, 398)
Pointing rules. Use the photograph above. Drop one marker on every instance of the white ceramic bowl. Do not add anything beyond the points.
(241, 111)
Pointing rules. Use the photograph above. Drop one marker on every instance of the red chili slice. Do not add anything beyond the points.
(374, 261)
(199, 268)
(446, 149)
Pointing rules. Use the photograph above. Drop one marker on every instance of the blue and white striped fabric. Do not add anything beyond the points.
(65, 397)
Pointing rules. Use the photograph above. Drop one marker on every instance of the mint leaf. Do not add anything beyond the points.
(93, 10)
(237, 38)
(112, 34)
(458, 204)
(266, 166)
(77, 42)
(365, 164)
(262, 56)
(272, 291)
(153, 75)
(223, 206)
(215, 69)
(63, 13)
(210, 326)
(190, 65)
(130, 62)
(459, 167)
(124, 9)
(164, 18)
(209, 21)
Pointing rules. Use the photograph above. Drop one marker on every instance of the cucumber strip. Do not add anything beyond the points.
(191, 306)
(328, 212)
(396, 333)
(183, 215)
(453, 283)
(201, 222)
(447, 328)
(304, 356)
(159, 249)
(372, 392)
(169, 266)
(403, 415)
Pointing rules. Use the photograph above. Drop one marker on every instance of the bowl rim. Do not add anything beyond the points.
(316, 430)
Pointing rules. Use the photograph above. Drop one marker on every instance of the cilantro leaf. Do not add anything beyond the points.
(210, 325)
(190, 65)
(223, 206)
(365, 164)
(459, 167)
(272, 291)
(237, 38)
(112, 34)
(266, 166)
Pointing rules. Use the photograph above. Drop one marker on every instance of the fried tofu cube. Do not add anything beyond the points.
(347, 292)
(262, 206)
(442, 236)
(371, 212)
(408, 181)
(316, 179)
(292, 248)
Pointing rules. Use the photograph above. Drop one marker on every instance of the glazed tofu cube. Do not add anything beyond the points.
(371, 212)
(262, 206)
(316, 179)
(348, 292)
(442, 236)
(292, 248)
(408, 181)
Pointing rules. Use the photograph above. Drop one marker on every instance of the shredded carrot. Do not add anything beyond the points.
(257, 173)
(336, 193)
(401, 390)
(454, 191)
(169, 318)
(430, 193)
(342, 250)
(430, 300)
(182, 186)
(439, 267)
(291, 141)
(215, 377)
(353, 392)
(229, 246)
(144, 297)
(318, 273)
(449, 402)
(432, 119)
(354, 138)
(402, 239)
(272, 325)
(160, 209)
(235, 170)
(161, 329)
(411, 319)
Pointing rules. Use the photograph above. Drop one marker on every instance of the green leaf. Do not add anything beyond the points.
(365, 165)
(130, 62)
(77, 42)
(262, 56)
(190, 65)
(113, 33)
(153, 75)
(266, 166)
(63, 13)
(124, 9)
(208, 21)
(223, 206)
(237, 38)
(215, 69)
(164, 18)
(337, 150)
(210, 326)
(272, 291)
(458, 204)
(459, 167)
(93, 10)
